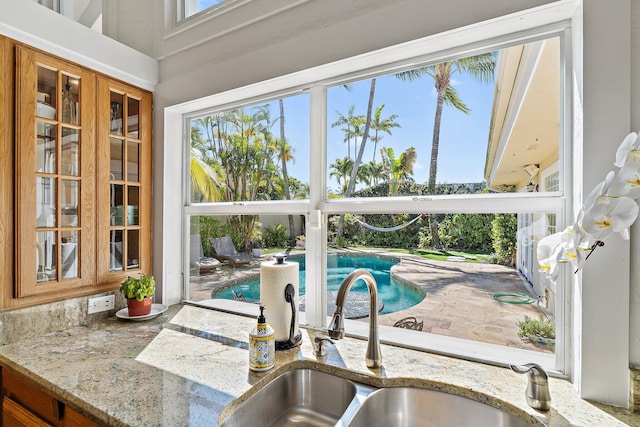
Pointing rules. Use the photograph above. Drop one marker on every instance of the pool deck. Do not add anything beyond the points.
(459, 297)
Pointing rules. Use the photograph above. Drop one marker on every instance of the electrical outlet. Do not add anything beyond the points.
(98, 304)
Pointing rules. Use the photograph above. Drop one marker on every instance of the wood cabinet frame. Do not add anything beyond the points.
(17, 218)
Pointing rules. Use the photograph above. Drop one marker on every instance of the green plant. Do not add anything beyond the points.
(503, 232)
(138, 288)
(540, 327)
(276, 236)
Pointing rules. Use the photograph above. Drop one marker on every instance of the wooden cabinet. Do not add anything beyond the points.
(24, 404)
(79, 169)
(124, 184)
(55, 174)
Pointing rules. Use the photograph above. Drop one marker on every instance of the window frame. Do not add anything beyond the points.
(464, 41)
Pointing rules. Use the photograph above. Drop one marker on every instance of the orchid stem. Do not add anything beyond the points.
(593, 248)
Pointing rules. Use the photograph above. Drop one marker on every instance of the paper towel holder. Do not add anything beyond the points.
(280, 257)
(294, 340)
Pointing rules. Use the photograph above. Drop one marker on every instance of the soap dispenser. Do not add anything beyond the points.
(262, 345)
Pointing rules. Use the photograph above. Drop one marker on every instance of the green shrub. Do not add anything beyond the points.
(276, 236)
(472, 232)
(541, 327)
(503, 232)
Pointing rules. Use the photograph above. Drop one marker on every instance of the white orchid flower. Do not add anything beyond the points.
(550, 252)
(610, 215)
(602, 189)
(576, 245)
(627, 181)
(630, 143)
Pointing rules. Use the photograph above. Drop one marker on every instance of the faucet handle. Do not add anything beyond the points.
(319, 340)
(537, 393)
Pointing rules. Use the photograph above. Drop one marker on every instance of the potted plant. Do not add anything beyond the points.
(300, 240)
(540, 332)
(256, 243)
(138, 292)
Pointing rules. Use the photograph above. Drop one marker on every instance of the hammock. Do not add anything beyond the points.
(396, 228)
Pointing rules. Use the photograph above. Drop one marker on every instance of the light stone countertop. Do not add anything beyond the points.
(189, 367)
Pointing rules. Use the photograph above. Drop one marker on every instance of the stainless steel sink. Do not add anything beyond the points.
(307, 397)
(301, 397)
(407, 406)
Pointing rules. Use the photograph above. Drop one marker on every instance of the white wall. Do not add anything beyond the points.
(35, 25)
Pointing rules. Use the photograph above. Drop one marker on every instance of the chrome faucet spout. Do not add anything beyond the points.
(336, 327)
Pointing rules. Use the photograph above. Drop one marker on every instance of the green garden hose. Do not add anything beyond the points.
(514, 298)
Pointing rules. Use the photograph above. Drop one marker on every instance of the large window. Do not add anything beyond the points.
(428, 175)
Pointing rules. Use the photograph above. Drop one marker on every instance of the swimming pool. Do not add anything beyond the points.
(394, 295)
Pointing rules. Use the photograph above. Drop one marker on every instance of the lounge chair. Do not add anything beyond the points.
(197, 258)
(225, 251)
(409, 323)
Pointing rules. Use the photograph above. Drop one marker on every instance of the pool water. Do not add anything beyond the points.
(394, 295)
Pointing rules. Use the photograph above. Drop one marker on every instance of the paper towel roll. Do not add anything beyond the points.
(273, 280)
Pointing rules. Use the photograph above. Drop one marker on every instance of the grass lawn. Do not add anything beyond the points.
(433, 254)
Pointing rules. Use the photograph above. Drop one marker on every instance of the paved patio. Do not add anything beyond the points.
(459, 297)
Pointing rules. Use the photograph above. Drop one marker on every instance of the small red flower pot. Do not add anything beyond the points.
(139, 308)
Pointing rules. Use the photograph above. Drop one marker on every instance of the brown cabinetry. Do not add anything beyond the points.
(79, 193)
(24, 404)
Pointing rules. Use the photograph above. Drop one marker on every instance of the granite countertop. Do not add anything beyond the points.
(189, 367)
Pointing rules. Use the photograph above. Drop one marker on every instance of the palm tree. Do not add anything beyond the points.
(375, 172)
(378, 124)
(482, 68)
(285, 155)
(340, 170)
(351, 130)
(205, 179)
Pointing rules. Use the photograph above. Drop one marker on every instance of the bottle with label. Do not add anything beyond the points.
(262, 345)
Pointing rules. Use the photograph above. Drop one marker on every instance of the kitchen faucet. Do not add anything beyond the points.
(336, 327)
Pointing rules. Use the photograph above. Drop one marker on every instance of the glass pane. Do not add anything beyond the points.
(115, 250)
(247, 241)
(481, 284)
(133, 249)
(70, 158)
(46, 257)
(70, 99)
(115, 159)
(239, 155)
(70, 254)
(45, 202)
(117, 201)
(191, 7)
(69, 197)
(133, 108)
(417, 146)
(116, 113)
(133, 201)
(47, 83)
(46, 148)
(133, 161)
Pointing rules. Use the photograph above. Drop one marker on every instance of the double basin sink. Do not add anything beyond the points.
(308, 397)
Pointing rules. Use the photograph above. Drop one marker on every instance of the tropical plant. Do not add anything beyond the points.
(276, 236)
(340, 170)
(352, 125)
(380, 125)
(138, 288)
(398, 168)
(481, 67)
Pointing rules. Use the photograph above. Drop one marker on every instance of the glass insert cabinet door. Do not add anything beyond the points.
(124, 141)
(54, 173)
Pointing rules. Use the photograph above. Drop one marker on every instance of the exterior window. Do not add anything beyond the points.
(418, 171)
(192, 7)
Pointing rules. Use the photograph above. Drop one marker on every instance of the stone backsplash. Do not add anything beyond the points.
(36, 321)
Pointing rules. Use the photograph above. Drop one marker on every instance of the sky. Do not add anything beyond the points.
(463, 137)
